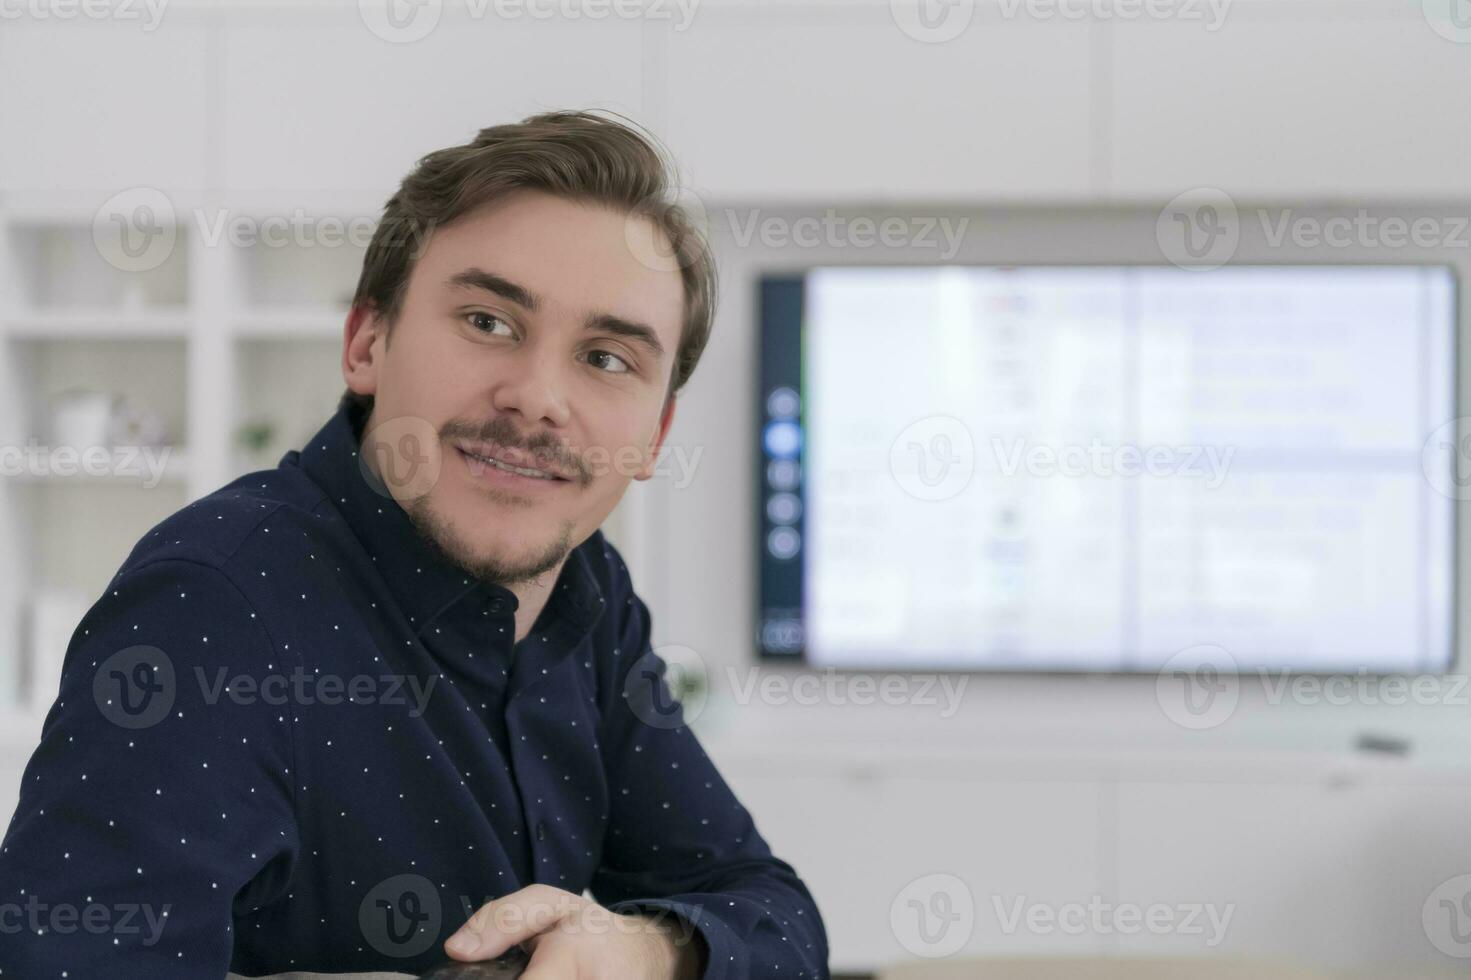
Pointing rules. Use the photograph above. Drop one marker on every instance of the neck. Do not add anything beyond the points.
(531, 597)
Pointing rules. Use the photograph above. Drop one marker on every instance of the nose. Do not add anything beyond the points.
(531, 383)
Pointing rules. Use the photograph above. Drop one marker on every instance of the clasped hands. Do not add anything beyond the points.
(571, 937)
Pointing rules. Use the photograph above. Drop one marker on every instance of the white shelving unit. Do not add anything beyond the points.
(214, 340)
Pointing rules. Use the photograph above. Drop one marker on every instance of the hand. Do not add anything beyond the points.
(573, 938)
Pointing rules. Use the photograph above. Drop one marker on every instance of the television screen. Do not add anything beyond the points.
(1097, 468)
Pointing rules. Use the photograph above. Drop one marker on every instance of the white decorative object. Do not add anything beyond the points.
(82, 419)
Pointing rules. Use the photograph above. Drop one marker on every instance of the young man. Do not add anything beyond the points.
(394, 701)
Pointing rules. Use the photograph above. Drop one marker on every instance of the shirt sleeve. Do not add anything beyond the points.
(158, 803)
(678, 840)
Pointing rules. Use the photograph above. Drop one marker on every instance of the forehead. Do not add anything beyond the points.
(578, 258)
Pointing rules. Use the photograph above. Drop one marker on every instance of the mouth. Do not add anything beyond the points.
(507, 467)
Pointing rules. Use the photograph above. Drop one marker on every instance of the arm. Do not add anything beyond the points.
(157, 804)
(678, 839)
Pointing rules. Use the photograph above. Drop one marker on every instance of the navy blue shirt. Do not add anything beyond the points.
(293, 735)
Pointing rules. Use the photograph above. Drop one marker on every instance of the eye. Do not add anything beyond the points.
(480, 317)
(624, 369)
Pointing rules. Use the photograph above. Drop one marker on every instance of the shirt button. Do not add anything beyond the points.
(541, 830)
(496, 605)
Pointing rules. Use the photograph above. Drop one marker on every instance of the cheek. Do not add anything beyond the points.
(617, 454)
(436, 369)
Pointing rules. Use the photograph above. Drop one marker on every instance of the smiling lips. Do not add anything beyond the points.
(509, 460)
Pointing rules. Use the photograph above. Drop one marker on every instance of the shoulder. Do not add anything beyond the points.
(219, 528)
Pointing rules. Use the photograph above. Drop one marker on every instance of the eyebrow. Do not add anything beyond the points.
(492, 283)
(514, 292)
(627, 329)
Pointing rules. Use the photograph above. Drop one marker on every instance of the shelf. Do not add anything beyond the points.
(69, 325)
(291, 324)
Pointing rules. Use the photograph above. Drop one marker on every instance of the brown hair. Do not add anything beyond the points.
(575, 155)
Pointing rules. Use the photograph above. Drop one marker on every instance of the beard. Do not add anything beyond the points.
(495, 569)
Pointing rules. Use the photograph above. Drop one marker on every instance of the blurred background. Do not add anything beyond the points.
(1056, 545)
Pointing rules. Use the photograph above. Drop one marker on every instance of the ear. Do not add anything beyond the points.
(651, 458)
(361, 350)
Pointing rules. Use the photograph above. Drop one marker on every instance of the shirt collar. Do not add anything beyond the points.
(426, 582)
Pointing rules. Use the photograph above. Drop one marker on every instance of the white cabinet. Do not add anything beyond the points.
(1311, 103)
(808, 102)
(327, 105)
(1326, 859)
(1322, 871)
(860, 840)
(102, 105)
(833, 103)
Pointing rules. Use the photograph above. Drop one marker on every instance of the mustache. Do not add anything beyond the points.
(543, 449)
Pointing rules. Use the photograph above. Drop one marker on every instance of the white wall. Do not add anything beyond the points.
(776, 101)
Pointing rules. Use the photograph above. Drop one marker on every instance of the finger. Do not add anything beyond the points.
(553, 959)
(510, 919)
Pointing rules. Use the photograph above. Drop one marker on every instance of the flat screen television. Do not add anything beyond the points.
(1094, 468)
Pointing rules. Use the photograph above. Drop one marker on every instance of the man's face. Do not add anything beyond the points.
(530, 326)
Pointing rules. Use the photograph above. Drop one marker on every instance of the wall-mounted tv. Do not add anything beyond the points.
(1094, 468)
